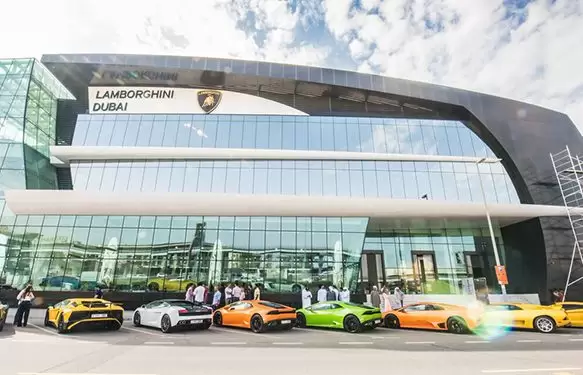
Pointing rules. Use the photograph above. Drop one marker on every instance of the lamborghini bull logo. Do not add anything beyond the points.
(209, 100)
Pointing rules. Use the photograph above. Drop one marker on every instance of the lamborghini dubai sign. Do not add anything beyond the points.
(164, 100)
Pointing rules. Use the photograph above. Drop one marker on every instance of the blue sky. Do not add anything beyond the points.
(527, 50)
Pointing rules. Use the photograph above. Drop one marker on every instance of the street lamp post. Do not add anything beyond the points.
(493, 238)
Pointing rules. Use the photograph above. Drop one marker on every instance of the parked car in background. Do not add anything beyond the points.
(348, 316)
(75, 312)
(259, 316)
(544, 319)
(3, 314)
(169, 314)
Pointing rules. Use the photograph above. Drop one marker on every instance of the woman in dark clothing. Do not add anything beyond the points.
(24, 298)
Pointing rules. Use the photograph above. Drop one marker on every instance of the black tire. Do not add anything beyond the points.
(154, 287)
(352, 324)
(296, 288)
(301, 320)
(257, 324)
(391, 321)
(166, 324)
(545, 324)
(61, 325)
(114, 326)
(288, 327)
(218, 319)
(137, 320)
(206, 325)
(47, 322)
(457, 325)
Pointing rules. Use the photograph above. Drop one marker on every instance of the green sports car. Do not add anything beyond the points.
(351, 317)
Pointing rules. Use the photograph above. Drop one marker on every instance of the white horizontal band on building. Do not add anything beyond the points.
(70, 202)
(62, 155)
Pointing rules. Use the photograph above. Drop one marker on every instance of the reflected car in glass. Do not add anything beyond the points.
(434, 316)
(77, 312)
(170, 314)
(3, 315)
(259, 316)
(350, 317)
(543, 319)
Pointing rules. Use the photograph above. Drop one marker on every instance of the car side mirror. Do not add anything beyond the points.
(50, 307)
(143, 307)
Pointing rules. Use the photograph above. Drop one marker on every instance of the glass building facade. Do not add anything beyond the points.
(165, 253)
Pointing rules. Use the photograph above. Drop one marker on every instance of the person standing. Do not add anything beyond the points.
(375, 297)
(199, 293)
(331, 294)
(345, 295)
(189, 296)
(257, 293)
(98, 293)
(306, 298)
(24, 298)
(216, 298)
(321, 297)
(399, 296)
(229, 294)
(237, 292)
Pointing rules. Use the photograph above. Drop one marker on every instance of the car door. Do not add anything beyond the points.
(319, 315)
(149, 314)
(156, 313)
(412, 316)
(575, 313)
(236, 313)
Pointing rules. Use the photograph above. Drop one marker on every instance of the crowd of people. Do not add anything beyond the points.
(384, 300)
(224, 294)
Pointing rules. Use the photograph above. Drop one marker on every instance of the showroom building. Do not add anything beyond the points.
(142, 174)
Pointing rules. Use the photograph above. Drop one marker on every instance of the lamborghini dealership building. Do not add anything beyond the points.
(142, 174)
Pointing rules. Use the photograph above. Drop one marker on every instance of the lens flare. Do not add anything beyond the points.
(490, 324)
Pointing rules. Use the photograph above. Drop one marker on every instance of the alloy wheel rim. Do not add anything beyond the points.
(456, 326)
(218, 319)
(392, 322)
(351, 325)
(544, 325)
(165, 323)
(256, 324)
(137, 318)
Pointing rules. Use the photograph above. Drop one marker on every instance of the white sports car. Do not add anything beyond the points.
(169, 314)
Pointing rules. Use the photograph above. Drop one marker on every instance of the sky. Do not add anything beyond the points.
(529, 50)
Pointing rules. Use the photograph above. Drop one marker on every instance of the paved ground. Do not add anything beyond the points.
(36, 349)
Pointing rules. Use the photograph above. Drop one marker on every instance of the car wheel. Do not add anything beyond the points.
(137, 319)
(300, 320)
(206, 325)
(154, 287)
(218, 319)
(296, 288)
(391, 321)
(61, 325)
(352, 324)
(165, 324)
(457, 325)
(545, 324)
(257, 325)
(47, 322)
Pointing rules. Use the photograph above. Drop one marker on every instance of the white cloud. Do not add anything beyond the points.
(476, 45)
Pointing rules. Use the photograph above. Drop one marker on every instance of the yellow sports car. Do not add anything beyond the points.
(75, 312)
(574, 312)
(3, 315)
(519, 315)
(162, 284)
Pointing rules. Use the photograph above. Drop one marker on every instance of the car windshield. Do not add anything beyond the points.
(273, 305)
(184, 304)
(359, 305)
(90, 304)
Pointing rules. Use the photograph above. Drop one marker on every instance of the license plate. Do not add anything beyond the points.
(377, 321)
(99, 315)
(197, 321)
(285, 321)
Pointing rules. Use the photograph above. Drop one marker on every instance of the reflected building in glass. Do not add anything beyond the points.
(143, 174)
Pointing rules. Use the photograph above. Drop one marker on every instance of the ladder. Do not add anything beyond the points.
(569, 172)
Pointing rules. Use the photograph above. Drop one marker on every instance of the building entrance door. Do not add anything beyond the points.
(424, 270)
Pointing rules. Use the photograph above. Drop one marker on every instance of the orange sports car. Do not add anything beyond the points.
(436, 316)
(259, 316)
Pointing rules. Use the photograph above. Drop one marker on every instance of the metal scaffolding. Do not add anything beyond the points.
(569, 172)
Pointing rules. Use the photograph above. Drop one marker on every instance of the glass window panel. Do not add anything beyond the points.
(131, 134)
